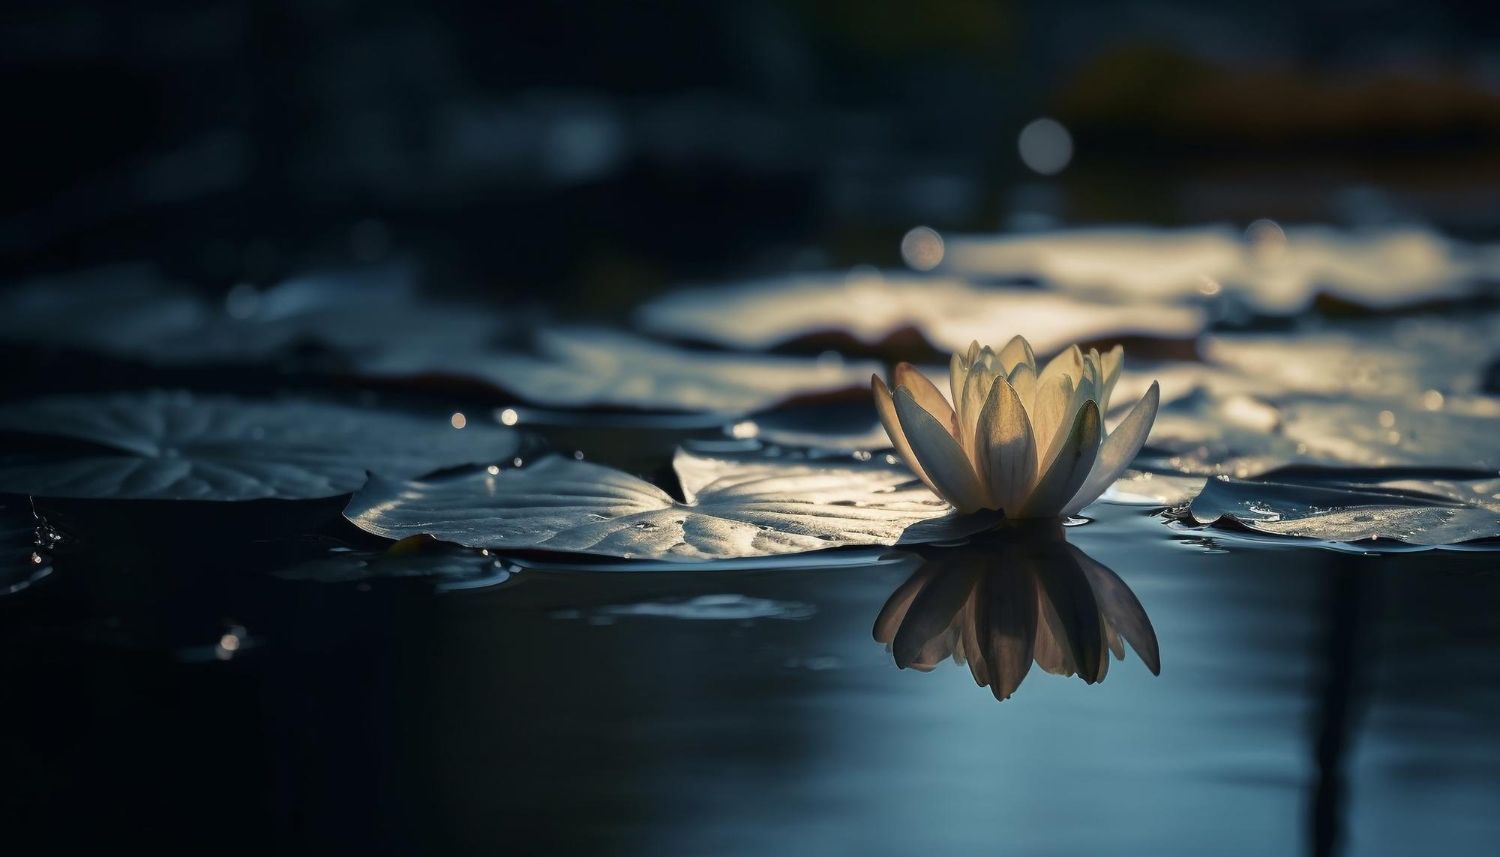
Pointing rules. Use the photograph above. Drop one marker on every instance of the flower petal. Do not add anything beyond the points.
(1050, 410)
(1069, 469)
(1005, 448)
(948, 469)
(927, 395)
(885, 406)
(1016, 353)
(989, 359)
(1110, 364)
(970, 403)
(1087, 387)
(1023, 378)
(958, 372)
(1069, 362)
(1118, 450)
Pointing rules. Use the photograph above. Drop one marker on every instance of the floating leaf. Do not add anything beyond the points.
(874, 310)
(734, 507)
(351, 313)
(1245, 436)
(1386, 357)
(1143, 488)
(117, 310)
(590, 367)
(176, 446)
(1373, 508)
(1270, 270)
(132, 311)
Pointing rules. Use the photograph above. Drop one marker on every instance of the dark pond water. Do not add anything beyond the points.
(1306, 700)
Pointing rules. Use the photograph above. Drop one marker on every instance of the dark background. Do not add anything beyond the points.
(602, 150)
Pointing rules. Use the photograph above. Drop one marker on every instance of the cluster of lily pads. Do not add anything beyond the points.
(1375, 432)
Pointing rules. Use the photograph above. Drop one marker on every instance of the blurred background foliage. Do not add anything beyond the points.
(593, 152)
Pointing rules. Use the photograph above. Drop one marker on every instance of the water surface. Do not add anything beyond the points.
(1308, 701)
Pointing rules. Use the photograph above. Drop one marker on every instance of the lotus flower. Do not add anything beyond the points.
(1026, 442)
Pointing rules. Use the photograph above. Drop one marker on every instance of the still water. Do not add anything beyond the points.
(1308, 702)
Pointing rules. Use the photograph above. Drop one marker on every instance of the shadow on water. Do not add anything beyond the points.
(1005, 602)
(1346, 601)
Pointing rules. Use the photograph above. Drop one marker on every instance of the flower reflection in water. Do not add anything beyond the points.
(1002, 603)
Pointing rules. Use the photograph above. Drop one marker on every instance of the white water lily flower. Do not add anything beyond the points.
(1030, 443)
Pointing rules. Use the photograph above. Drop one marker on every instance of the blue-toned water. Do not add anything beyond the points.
(1307, 700)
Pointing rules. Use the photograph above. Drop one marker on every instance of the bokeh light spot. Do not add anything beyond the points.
(922, 248)
(1046, 146)
(1267, 240)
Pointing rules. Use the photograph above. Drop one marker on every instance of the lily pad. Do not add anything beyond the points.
(1374, 509)
(1245, 436)
(348, 313)
(115, 310)
(177, 446)
(874, 310)
(1269, 270)
(732, 507)
(131, 311)
(592, 367)
(1144, 488)
(1374, 357)
(1419, 362)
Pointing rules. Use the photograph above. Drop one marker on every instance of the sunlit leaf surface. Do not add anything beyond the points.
(873, 308)
(1144, 488)
(1244, 436)
(593, 367)
(1267, 269)
(1386, 393)
(1372, 508)
(734, 507)
(1422, 359)
(177, 446)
